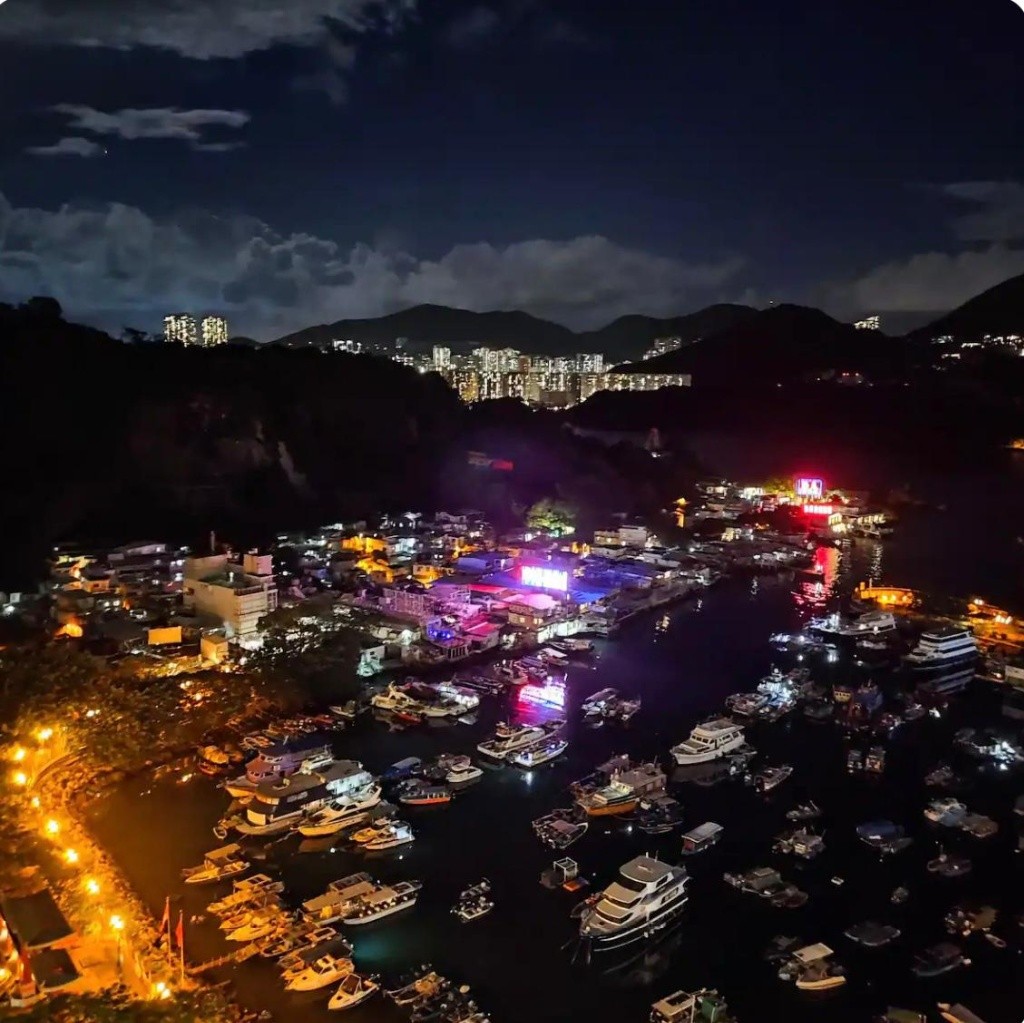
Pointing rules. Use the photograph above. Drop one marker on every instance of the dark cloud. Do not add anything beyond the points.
(73, 145)
(472, 28)
(115, 264)
(154, 123)
(996, 210)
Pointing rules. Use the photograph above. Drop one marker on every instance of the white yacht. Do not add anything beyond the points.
(540, 753)
(645, 898)
(351, 991)
(340, 813)
(395, 834)
(871, 623)
(462, 774)
(510, 740)
(328, 969)
(382, 902)
(940, 648)
(709, 741)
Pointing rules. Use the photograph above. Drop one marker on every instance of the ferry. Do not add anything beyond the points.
(341, 813)
(279, 805)
(509, 739)
(623, 791)
(540, 753)
(709, 741)
(647, 896)
(280, 760)
(384, 901)
(945, 683)
(945, 647)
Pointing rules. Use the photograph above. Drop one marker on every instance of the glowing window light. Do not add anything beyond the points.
(817, 509)
(544, 578)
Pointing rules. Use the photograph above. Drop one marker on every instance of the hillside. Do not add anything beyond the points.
(462, 330)
(783, 343)
(998, 311)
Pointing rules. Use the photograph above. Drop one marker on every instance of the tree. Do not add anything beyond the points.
(550, 515)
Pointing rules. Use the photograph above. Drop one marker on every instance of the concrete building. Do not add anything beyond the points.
(180, 328)
(442, 358)
(869, 323)
(235, 595)
(214, 331)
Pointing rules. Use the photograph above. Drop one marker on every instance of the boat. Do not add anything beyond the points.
(767, 883)
(390, 837)
(808, 811)
(942, 776)
(382, 902)
(402, 769)
(770, 777)
(412, 985)
(371, 831)
(899, 895)
(327, 969)
(295, 962)
(511, 739)
(217, 865)
(949, 866)
(341, 813)
(819, 710)
(746, 705)
(966, 919)
(709, 741)
(574, 645)
(810, 969)
(979, 826)
(703, 1006)
(474, 902)
(874, 760)
(701, 838)
(421, 794)
(277, 760)
(957, 1013)
(539, 753)
(560, 828)
(946, 811)
(885, 836)
(353, 990)
(942, 648)
(938, 959)
(463, 774)
(801, 843)
(624, 791)
(597, 703)
(871, 623)
(247, 891)
(659, 815)
(948, 683)
(258, 925)
(871, 934)
(329, 907)
(301, 936)
(647, 896)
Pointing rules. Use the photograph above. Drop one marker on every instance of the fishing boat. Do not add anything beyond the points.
(810, 969)
(474, 902)
(391, 837)
(647, 896)
(560, 828)
(709, 741)
(703, 1006)
(420, 794)
(946, 811)
(539, 753)
(770, 778)
(217, 865)
(624, 791)
(938, 959)
(871, 934)
(341, 813)
(383, 901)
(327, 969)
(659, 815)
(353, 990)
(463, 774)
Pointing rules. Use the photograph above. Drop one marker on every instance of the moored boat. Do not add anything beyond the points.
(353, 990)
(217, 865)
(709, 741)
(539, 753)
(383, 901)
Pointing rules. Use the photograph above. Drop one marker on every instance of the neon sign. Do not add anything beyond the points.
(810, 486)
(544, 578)
(817, 509)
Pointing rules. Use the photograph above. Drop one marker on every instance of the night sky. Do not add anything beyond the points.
(290, 162)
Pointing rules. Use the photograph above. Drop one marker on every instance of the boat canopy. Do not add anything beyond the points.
(812, 953)
(376, 898)
(225, 852)
(703, 832)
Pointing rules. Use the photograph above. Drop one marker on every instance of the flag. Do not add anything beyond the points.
(165, 922)
(179, 931)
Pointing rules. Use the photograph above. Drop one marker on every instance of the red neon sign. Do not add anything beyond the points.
(817, 509)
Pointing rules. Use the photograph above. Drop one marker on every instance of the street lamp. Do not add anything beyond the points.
(117, 925)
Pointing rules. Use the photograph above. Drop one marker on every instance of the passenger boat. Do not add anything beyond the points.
(353, 990)
(943, 648)
(624, 791)
(646, 897)
(945, 683)
(511, 739)
(701, 838)
(938, 959)
(539, 753)
(280, 760)
(328, 969)
(217, 865)
(871, 934)
(384, 901)
(689, 1007)
(420, 794)
(709, 741)
(391, 837)
(463, 774)
(341, 813)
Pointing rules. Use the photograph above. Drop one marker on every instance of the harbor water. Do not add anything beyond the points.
(522, 960)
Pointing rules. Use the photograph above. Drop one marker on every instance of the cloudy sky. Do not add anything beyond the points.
(297, 162)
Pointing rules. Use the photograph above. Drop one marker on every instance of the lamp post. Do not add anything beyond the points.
(117, 926)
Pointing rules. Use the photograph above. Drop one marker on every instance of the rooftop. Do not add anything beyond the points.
(645, 869)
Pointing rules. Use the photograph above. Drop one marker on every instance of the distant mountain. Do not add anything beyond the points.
(1000, 310)
(785, 342)
(462, 330)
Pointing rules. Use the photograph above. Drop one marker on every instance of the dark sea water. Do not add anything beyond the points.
(519, 959)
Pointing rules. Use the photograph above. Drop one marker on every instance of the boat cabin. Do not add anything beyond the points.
(701, 838)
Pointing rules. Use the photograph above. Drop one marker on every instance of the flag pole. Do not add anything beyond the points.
(181, 946)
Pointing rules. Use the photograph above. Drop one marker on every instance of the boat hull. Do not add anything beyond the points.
(611, 809)
(382, 914)
(641, 931)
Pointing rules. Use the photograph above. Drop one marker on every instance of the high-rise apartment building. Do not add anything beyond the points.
(214, 331)
(590, 363)
(869, 323)
(346, 345)
(442, 358)
(180, 328)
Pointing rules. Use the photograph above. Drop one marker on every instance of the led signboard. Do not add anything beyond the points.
(810, 486)
(817, 509)
(544, 578)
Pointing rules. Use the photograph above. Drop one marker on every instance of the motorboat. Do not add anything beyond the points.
(217, 865)
(872, 934)
(420, 794)
(402, 769)
(623, 791)
(474, 902)
(341, 813)
(659, 815)
(708, 741)
(247, 891)
(770, 777)
(540, 753)
(942, 776)
(403, 990)
(871, 623)
(384, 901)
(808, 811)
(804, 844)
(746, 705)
(391, 837)
(294, 963)
(691, 1007)
(353, 990)
(513, 739)
(946, 811)
(328, 969)
(874, 760)
(949, 866)
(463, 774)
(939, 959)
(259, 925)
(371, 831)
(943, 648)
(645, 898)
(767, 883)
(302, 936)
(598, 703)
(979, 826)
